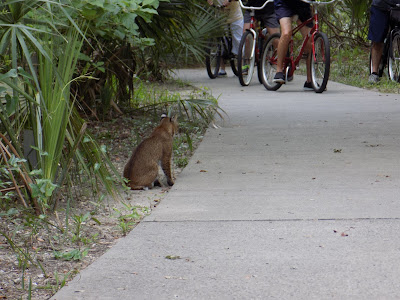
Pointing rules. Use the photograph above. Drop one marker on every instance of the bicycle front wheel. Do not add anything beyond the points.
(320, 62)
(246, 58)
(213, 57)
(268, 61)
(394, 58)
(233, 62)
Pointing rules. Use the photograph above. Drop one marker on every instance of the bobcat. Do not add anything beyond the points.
(142, 168)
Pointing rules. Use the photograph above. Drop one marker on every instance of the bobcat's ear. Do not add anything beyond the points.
(164, 115)
(174, 119)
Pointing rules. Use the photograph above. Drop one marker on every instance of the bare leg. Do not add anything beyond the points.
(286, 34)
(376, 53)
(222, 64)
(247, 53)
(271, 31)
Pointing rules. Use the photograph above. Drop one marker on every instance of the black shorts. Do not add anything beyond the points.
(378, 25)
(268, 18)
(290, 8)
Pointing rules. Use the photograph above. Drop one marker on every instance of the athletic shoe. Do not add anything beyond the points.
(279, 78)
(373, 78)
(308, 86)
(222, 73)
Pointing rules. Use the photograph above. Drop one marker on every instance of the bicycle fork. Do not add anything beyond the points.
(253, 48)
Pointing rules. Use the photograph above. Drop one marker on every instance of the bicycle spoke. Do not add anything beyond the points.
(269, 63)
(394, 59)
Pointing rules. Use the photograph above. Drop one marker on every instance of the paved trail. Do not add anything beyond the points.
(295, 196)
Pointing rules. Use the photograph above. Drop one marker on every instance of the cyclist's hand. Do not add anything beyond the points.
(225, 3)
(211, 2)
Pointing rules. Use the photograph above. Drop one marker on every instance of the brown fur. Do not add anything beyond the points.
(142, 168)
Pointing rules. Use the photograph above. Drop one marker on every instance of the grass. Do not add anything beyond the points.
(351, 66)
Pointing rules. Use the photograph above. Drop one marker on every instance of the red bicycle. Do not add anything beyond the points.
(250, 47)
(320, 60)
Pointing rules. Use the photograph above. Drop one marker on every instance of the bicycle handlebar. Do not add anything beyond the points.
(254, 7)
(392, 5)
(318, 2)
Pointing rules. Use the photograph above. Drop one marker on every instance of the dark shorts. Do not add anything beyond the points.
(267, 18)
(378, 25)
(290, 8)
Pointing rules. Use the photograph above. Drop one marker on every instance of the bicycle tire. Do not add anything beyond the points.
(233, 62)
(213, 57)
(320, 62)
(244, 62)
(268, 63)
(261, 44)
(394, 58)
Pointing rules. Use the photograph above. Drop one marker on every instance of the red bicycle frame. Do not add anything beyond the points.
(260, 36)
(295, 62)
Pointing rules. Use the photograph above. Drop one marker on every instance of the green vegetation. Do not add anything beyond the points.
(67, 66)
(351, 66)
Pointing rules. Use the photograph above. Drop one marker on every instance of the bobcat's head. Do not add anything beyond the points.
(170, 124)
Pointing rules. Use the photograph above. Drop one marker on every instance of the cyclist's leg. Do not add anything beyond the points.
(304, 11)
(246, 20)
(307, 50)
(378, 28)
(284, 12)
(271, 23)
(222, 71)
(286, 33)
(237, 32)
(246, 26)
(376, 54)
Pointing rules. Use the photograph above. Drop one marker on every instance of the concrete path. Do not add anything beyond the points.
(296, 196)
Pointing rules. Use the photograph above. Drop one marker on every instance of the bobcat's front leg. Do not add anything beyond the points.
(166, 167)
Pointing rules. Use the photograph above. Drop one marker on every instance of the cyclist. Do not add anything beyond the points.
(235, 21)
(378, 28)
(265, 15)
(285, 10)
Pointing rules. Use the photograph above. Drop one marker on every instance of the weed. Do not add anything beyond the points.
(77, 235)
(60, 281)
(181, 162)
(128, 220)
(75, 254)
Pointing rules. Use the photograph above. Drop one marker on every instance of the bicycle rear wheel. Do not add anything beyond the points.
(246, 58)
(394, 58)
(320, 62)
(213, 57)
(268, 61)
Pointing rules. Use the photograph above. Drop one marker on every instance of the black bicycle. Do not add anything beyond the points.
(391, 50)
(219, 49)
